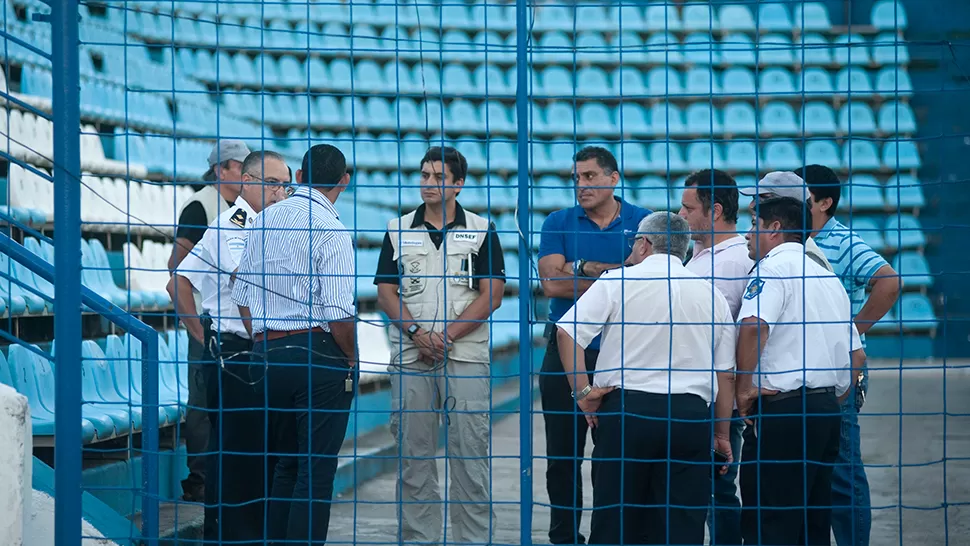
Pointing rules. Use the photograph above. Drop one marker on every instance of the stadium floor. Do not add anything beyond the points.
(925, 519)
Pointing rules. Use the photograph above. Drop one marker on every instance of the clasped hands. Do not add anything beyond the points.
(431, 345)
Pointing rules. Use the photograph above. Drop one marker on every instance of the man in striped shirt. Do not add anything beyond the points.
(858, 267)
(295, 285)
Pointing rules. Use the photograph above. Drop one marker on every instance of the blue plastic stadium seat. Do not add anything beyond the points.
(549, 192)
(555, 47)
(870, 232)
(558, 118)
(701, 82)
(738, 81)
(893, 81)
(125, 359)
(664, 81)
(666, 156)
(782, 156)
(291, 73)
(456, 16)
(904, 231)
(740, 119)
(595, 119)
(904, 192)
(457, 46)
(738, 50)
(627, 81)
(778, 118)
(818, 118)
(96, 275)
(98, 390)
(667, 119)
(776, 81)
(653, 193)
(863, 192)
(458, 80)
(704, 155)
(553, 17)
(856, 118)
(592, 47)
(697, 16)
(630, 14)
(663, 48)
(397, 78)
(492, 15)
(774, 17)
(20, 299)
(916, 312)
(889, 49)
(897, 118)
(629, 46)
(888, 15)
(701, 48)
(502, 155)
(405, 114)
(632, 119)
(703, 119)
(901, 155)
(463, 116)
(633, 157)
(491, 80)
(426, 77)
(661, 16)
(914, 269)
(736, 17)
(811, 16)
(775, 49)
(591, 82)
(851, 49)
(557, 81)
(813, 50)
(860, 155)
(815, 82)
(853, 81)
(433, 114)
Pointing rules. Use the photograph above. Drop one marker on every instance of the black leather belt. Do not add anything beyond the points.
(797, 392)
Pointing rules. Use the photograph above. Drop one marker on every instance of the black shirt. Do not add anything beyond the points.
(193, 222)
(489, 263)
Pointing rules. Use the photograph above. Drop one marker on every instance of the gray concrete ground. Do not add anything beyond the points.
(918, 497)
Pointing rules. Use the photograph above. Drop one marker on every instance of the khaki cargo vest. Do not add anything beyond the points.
(433, 292)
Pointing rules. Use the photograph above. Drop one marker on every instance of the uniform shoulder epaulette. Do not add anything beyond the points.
(238, 218)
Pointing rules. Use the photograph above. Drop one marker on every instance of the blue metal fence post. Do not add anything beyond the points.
(67, 263)
(525, 284)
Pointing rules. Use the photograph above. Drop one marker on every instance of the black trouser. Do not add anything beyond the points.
(196, 427)
(565, 445)
(237, 465)
(309, 411)
(786, 469)
(653, 481)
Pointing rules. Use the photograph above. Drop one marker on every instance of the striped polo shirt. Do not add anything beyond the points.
(852, 260)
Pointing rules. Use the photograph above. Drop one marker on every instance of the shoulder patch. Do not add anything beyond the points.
(753, 289)
(238, 218)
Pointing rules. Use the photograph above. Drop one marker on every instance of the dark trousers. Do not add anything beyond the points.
(566, 429)
(196, 427)
(653, 481)
(724, 519)
(309, 411)
(786, 470)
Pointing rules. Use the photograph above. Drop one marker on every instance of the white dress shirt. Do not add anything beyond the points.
(727, 264)
(663, 332)
(810, 328)
(210, 264)
(297, 271)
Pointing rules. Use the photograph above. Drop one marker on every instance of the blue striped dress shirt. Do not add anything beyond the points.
(297, 271)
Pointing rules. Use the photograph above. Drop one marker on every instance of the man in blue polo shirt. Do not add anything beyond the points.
(578, 244)
(858, 267)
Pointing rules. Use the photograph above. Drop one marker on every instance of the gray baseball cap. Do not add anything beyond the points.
(780, 183)
(226, 150)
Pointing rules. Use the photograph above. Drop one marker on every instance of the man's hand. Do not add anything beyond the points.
(746, 398)
(722, 443)
(431, 345)
(590, 404)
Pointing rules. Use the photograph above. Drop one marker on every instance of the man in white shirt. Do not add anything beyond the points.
(796, 349)
(710, 206)
(207, 269)
(666, 354)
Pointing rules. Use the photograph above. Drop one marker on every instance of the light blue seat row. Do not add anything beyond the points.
(900, 231)
(914, 269)
(902, 192)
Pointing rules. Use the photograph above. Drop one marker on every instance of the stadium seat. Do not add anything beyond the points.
(555, 47)
(813, 50)
(851, 49)
(897, 118)
(889, 49)
(863, 192)
(904, 192)
(811, 16)
(492, 81)
(901, 154)
(496, 117)
(21, 300)
(666, 156)
(701, 82)
(702, 49)
(818, 118)
(697, 16)
(916, 312)
(550, 193)
(893, 81)
(778, 118)
(782, 156)
(633, 157)
(592, 47)
(595, 119)
(502, 155)
(632, 119)
(661, 16)
(738, 81)
(871, 233)
(553, 17)
(33, 376)
(653, 193)
(124, 356)
(558, 118)
(98, 390)
(425, 78)
(888, 15)
(661, 48)
(463, 116)
(904, 231)
(97, 276)
(557, 81)
(736, 18)
(775, 49)
(740, 119)
(627, 81)
(667, 119)
(853, 81)
(458, 80)
(704, 155)
(590, 82)
(914, 270)
(856, 118)
(860, 155)
(741, 156)
(774, 17)
(493, 16)
(396, 79)
(664, 81)
(815, 82)
(776, 81)
(703, 119)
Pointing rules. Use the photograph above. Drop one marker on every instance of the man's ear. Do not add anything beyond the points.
(299, 176)
(825, 205)
(716, 212)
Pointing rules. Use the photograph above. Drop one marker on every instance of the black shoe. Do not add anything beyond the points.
(193, 492)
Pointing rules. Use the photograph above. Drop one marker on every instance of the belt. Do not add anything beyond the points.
(270, 335)
(797, 392)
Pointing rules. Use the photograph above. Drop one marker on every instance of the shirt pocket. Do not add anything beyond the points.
(480, 333)
(461, 263)
(414, 268)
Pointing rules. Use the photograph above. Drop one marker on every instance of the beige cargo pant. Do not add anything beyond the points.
(458, 397)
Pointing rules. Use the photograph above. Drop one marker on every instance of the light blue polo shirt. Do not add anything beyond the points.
(571, 233)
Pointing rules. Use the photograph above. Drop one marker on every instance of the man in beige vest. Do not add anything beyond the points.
(223, 186)
(440, 276)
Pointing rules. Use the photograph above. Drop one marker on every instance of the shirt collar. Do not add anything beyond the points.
(786, 247)
(625, 210)
(315, 196)
(658, 260)
(829, 226)
(458, 221)
(723, 245)
(243, 204)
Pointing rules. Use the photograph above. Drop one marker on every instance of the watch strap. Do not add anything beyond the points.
(583, 393)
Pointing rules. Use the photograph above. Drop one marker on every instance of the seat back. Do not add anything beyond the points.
(33, 377)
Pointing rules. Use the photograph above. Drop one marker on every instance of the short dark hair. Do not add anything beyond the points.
(604, 158)
(716, 186)
(257, 158)
(210, 175)
(822, 183)
(451, 157)
(323, 165)
(794, 216)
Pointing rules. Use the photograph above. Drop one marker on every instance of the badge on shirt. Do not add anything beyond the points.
(412, 242)
(754, 289)
(238, 218)
(461, 236)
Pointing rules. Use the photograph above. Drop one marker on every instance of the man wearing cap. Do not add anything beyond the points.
(785, 184)
(223, 186)
(295, 290)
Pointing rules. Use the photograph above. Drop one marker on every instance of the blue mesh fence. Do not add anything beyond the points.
(380, 242)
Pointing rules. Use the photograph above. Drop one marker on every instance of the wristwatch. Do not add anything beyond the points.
(583, 393)
(413, 329)
(578, 268)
